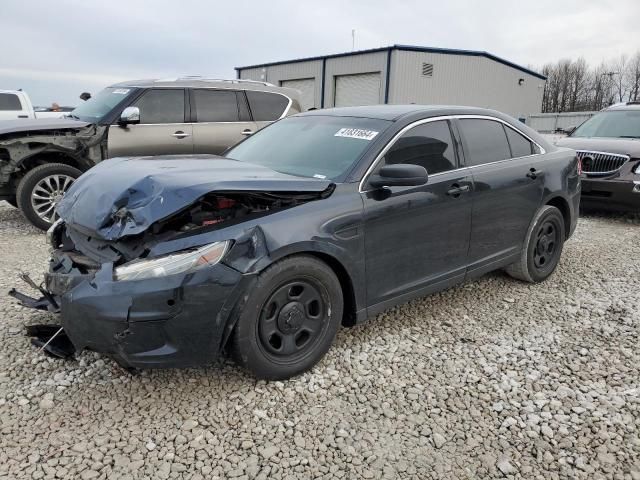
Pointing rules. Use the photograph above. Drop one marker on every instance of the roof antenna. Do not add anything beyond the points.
(353, 39)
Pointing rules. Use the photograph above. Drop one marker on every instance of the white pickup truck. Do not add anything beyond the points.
(17, 104)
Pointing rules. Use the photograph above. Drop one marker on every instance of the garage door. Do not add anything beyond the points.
(361, 89)
(307, 87)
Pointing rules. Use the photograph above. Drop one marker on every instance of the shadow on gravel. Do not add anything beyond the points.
(12, 219)
(620, 217)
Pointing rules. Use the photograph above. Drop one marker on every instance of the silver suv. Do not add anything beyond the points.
(40, 159)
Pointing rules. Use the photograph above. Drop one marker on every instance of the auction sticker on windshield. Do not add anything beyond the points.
(356, 133)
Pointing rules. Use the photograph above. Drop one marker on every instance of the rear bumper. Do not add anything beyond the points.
(621, 195)
(176, 321)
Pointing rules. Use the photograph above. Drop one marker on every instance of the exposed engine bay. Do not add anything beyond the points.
(86, 252)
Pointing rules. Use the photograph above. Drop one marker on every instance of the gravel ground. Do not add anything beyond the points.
(494, 378)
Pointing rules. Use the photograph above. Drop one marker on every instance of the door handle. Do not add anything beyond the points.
(456, 190)
(533, 173)
(246, 132)
(180, 134)
(23, 116)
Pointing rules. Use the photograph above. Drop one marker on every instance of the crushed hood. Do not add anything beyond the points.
(38, 125)
(622, 146)
(124, 196)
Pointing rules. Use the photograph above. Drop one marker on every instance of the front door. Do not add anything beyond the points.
(162, 129)
(508, 190)
(416, 238)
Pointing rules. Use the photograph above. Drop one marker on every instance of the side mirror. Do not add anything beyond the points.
(399, 175)
(129, 116)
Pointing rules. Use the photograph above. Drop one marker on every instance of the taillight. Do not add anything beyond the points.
(579, 166)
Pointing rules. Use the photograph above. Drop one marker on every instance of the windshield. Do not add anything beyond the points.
(614, 123)
(99, 105)
(310, 146)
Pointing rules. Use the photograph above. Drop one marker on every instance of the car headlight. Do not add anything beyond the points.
(173, 263)
(638, 169)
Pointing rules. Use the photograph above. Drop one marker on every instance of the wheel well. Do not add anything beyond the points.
(47, 157)
(348, 293)
(562, 205)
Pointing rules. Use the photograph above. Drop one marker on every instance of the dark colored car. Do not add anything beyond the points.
(321, 219)
(608, 144)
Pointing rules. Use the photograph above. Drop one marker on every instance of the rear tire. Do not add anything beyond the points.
(41, 189)
(289, 318)
(542, 247)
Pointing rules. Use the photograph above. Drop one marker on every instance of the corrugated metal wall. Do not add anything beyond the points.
(365, 63)
(288, 71)
(456, 79)
(463, 80)
(550, 122)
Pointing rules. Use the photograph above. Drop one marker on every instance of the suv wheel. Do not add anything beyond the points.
(542, 247)
(289, 319)
(41, 189)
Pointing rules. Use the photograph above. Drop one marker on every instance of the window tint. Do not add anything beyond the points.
(428, 145)
(520, 146)
(161, 106)
(216, 105)
(315, 146)
(266, 106)
(485, 140)
(9, 101)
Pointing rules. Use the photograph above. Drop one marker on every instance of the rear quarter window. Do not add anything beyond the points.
(265, 106)
(520, 146)
(9, 101)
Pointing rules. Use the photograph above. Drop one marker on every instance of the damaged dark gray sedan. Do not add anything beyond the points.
(320, 220)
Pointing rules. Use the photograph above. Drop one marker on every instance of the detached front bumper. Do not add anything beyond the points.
(175, 321)
(611, 194)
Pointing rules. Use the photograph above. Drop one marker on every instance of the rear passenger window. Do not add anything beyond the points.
(485, 141)
(266, 106)
(428, 145)
(216, 105)
(9, 101)
(161, 106)
(520, 146)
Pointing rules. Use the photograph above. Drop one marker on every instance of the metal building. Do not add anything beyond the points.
(407, 74)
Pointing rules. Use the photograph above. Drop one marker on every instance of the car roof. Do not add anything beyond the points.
(624, 106)
(396, 112)
(206, 82)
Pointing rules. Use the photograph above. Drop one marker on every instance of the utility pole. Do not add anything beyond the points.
(353, 40)
(609, 85)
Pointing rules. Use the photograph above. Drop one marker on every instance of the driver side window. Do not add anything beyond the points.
(429, 145)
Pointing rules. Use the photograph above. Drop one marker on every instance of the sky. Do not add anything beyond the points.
(56, 49)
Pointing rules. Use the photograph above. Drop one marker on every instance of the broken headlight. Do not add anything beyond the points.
(173, 263)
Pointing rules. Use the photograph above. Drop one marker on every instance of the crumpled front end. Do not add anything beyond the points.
(173, 321)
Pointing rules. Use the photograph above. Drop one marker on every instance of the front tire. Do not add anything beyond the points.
(542, 247)
(41, 189)
(289, 318)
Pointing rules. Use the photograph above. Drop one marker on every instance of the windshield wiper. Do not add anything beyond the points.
(629, 136)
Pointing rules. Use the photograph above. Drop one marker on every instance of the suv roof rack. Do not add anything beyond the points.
(213, 79)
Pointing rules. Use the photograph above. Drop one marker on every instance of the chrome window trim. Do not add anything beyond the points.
(447, 117)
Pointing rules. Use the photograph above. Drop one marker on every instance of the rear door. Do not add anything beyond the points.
(416, 238)
(508, 179)
(221, 119)
(163, 128)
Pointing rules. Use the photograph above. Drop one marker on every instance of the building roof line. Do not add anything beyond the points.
(409, 48)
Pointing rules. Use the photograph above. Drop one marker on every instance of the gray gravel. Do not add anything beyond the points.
(494, 378)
